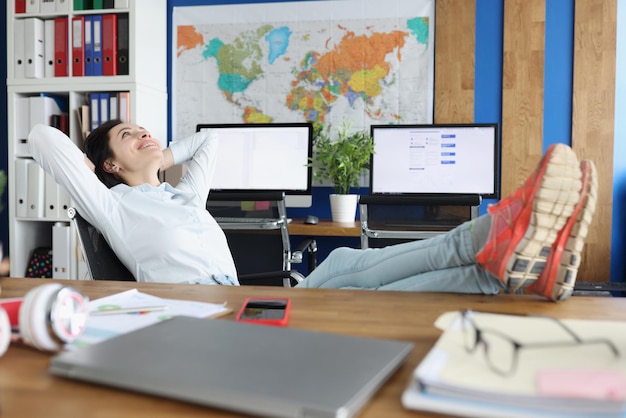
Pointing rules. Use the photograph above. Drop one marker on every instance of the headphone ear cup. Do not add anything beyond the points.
(34, 317)
(5, 331)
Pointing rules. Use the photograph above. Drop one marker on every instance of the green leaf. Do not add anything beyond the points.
(342, 160)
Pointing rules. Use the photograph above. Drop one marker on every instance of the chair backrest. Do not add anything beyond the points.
(101, 261)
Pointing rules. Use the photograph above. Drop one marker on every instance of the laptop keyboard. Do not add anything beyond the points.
(245, 220)
(601, 286)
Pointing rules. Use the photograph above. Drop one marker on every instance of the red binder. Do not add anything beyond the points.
(20, 6)
(60, 47)
(78, 46)
(109, 44)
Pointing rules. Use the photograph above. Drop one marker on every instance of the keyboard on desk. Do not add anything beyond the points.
(246, 220)
(600, 286)
(421, 224)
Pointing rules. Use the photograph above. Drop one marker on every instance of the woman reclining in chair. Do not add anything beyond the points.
(532, 239)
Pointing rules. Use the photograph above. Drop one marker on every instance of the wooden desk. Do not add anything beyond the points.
(325, 228)
(26, 388)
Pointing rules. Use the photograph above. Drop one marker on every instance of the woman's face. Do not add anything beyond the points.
(134, 149)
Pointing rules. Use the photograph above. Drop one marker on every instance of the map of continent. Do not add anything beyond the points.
(368, 71)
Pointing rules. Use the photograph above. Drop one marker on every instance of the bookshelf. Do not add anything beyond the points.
(145, 82)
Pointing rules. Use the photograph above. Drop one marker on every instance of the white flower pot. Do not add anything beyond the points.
(343, 207)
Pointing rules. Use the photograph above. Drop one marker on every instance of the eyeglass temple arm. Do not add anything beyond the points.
(581, 341)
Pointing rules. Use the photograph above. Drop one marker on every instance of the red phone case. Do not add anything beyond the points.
(264, 320)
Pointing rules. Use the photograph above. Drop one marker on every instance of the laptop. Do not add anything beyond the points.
(252, 369)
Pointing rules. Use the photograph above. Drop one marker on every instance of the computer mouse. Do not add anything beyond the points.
(311, 220)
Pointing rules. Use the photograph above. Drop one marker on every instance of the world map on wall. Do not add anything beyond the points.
(365, 70)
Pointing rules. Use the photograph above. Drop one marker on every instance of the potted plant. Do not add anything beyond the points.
(341, 162)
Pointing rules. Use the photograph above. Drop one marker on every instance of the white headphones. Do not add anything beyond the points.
(50, 316)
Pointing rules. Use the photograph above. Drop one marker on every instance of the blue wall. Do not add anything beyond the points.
(558, 72)
(4, 145)
(618, 239)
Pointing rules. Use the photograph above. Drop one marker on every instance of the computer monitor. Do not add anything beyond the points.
(270, 157)
(446, 161)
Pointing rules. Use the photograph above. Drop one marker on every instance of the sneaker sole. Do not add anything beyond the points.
(559, 275)
(539, 223)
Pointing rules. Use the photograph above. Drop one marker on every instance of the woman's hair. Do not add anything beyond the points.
(98, 151)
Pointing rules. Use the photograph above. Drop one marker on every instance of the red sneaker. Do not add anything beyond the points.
(526, 223)
(557, 280)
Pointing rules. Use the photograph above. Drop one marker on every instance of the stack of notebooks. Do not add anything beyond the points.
(554, 375)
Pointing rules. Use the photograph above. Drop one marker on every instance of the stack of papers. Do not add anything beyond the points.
(131, 310)
(555, 380)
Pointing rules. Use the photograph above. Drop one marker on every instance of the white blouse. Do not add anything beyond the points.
(161, 234)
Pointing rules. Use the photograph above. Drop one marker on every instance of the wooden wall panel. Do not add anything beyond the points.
(593, 120)
(454, 61)
(523, 96)
(522, 90)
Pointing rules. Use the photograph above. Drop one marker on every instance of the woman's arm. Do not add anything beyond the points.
(199, 151)
(67, 164)
(168, 159)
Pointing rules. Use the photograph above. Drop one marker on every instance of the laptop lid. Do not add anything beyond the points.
(253, 369)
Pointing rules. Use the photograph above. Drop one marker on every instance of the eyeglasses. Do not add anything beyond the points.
(501, 351)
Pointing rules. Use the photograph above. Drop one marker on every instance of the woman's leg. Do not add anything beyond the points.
(464, 279)
(526, 231)
(376, 267)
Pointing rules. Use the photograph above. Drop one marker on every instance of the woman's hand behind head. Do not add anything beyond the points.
(89, 164)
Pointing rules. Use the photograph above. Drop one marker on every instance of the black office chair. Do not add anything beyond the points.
(103, 263)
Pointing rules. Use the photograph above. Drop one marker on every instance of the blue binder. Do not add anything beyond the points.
(88, 39)
(96, 37)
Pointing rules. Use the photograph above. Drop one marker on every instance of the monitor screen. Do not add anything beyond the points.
(263, 157)
(436, 160)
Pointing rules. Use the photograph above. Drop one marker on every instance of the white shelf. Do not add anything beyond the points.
(146, 82)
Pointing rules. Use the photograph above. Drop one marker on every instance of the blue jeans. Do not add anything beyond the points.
(445, 263)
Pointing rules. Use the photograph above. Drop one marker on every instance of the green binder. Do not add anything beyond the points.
(82, 4)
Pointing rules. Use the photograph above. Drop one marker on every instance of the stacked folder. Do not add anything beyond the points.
(38, 195)
(104, 106)
(557, 374)
(56, 6)
(40, 48)
(41, 109)
(99, 46)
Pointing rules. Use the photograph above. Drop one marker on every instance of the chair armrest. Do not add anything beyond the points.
(310, 246)
(272, 278)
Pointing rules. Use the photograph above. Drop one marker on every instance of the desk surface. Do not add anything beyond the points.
(26, 388)
(325, 228)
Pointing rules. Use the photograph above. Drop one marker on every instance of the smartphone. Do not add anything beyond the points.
(266, 311)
